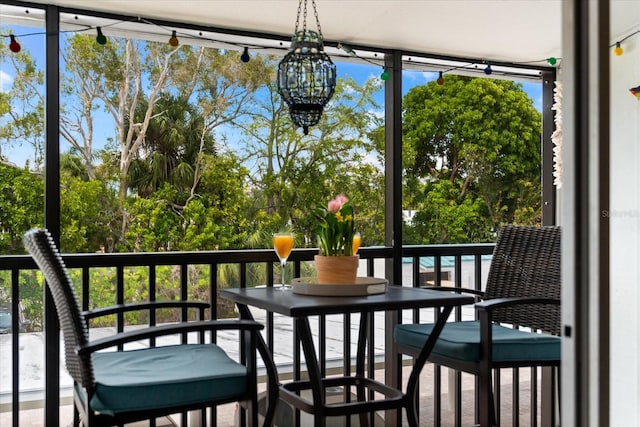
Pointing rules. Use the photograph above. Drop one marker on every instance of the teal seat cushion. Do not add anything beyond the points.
(461, 341)
(167, 376)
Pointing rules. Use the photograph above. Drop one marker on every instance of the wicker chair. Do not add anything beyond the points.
(523, 291)
(117, 387)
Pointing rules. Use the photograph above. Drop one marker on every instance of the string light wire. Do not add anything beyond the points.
(243, 47)
(617, 45)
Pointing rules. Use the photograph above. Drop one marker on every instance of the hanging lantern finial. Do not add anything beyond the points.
(306, 75)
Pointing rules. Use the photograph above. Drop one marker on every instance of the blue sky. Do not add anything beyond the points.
(34, 44)
(412, 78)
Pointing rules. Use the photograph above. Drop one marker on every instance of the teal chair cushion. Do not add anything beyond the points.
(461, 341)
(166, 376)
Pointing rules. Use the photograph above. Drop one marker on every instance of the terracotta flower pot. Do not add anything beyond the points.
(337, 269)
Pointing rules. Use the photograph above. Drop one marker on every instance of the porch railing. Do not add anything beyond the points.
(466, 265)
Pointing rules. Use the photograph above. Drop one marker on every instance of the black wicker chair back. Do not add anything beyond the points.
(72, 323)
(526, 263)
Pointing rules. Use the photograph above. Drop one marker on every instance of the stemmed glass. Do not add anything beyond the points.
(283, 243)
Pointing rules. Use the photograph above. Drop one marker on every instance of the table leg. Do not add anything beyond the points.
(313, 369)
(273, 385)
(363, 335)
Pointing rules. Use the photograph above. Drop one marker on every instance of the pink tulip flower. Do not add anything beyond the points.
(342, 199)
(335, 204)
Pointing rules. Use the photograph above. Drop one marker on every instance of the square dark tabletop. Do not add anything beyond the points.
(288, 303)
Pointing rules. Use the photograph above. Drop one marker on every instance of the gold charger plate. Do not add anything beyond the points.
(362, 286)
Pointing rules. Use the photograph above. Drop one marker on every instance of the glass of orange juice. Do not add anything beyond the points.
(283, 243)
(357, 239)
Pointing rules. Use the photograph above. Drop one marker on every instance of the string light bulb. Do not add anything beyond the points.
(552, 61)
(346, 48)
(101, 39)
(245, 55)
(173, 41)
(617, 51)
(440, 79)
(14, 46)
(488, 70)
(384, 76)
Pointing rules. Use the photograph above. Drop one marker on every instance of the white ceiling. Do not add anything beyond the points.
(515, 31)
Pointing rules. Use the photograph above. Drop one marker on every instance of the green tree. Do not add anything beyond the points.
(89, 215)
(174, 141)
(294, 172)
(22, 104)
(483, 137)
(132, 78)
(215, 219)
(111, 77)
(21, 206)
(447, 219)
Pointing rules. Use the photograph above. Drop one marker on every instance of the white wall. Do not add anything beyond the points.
(625, 234)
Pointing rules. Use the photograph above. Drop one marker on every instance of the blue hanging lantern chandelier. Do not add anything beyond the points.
(306, 75)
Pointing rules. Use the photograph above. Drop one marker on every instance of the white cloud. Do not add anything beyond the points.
(430, 75)
(377, 113)
(5, 81)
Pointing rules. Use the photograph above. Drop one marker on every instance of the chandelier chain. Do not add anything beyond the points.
(298, 14)
(315, 13)
(304, 16)
(304, 20)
